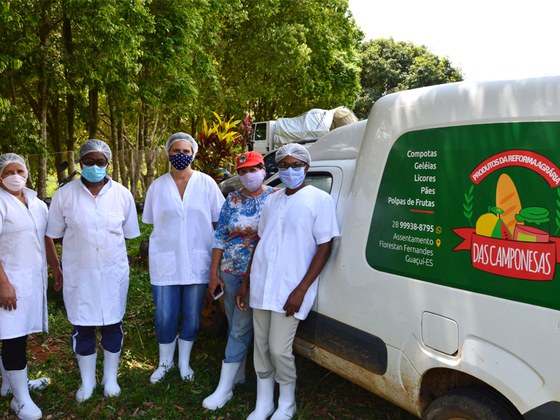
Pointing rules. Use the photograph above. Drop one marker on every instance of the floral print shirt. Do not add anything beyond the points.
(236, 231)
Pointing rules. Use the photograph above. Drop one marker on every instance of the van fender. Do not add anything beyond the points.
(500, 369)
(477, 358)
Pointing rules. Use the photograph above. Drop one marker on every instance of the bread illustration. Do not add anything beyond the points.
(508, 200)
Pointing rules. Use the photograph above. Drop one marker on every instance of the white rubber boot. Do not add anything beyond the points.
(38, 384)
(224, 391)
(110, 368)
(87, 372)
(166, 352)
(22, 404)
(5, 389)
(185, 347)
(265, 399)
(240, 375)
(34, 385)
(286, 402)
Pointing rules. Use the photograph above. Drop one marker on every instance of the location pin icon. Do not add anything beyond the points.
(438, 242)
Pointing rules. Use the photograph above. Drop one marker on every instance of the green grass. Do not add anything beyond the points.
(320, 393)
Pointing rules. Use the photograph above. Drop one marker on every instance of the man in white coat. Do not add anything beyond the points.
(296, 232)
(94, 215)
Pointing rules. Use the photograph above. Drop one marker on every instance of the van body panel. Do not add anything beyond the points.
(340, 144)
(398, 385)
(507, 320)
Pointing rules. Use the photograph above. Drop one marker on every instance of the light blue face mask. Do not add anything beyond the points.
(292, 177)
(94, 173)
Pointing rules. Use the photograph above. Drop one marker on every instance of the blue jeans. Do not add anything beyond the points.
(174, 302)
(240, 330)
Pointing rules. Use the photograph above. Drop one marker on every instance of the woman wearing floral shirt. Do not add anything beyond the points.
(234, 240)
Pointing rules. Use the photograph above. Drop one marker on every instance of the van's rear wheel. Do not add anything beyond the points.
(471, 403)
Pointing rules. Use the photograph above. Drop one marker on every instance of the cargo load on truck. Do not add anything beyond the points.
(305, 128)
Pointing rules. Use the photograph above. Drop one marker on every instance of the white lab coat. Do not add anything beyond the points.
(94, 258)
(290, 229)
(181, 242)
(22, 255)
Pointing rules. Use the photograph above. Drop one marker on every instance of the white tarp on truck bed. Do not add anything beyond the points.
(312, 124)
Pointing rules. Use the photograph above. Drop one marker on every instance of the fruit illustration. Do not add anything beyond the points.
(485, 224)
(501, 230)
(491, 224)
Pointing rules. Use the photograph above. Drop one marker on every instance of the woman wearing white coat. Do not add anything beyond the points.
(24, 251)
(94, 215)
(183, 205)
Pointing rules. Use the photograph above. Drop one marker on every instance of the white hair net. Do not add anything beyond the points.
(8, 158)
(294, 150)
(180, 136)
(94, 145)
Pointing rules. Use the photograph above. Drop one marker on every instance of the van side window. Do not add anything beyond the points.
(260, 131)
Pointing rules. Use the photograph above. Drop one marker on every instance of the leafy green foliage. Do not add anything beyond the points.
(246, 130)
(389, 66)
(284, 57)
(468, 205)
(19, 130)
(133, 72)
(218, 145)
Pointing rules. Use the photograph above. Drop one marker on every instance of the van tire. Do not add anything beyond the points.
(471, 403)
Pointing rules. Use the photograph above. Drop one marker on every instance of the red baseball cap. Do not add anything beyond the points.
(249, 159)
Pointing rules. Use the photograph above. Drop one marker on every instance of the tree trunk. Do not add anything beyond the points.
(194, 122)
(55, 136)
(122, 153)
(70, 111)
(137, 154)
(114, 141)
(150, 156)
(43, 89)
(70, 99)
(93, 106)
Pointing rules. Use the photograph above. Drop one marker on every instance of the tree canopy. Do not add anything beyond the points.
(131, 73)
(390, 66)
(283, 57)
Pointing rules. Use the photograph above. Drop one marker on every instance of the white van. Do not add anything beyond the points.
(442, 295)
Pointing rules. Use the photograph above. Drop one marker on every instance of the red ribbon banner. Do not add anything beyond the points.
(523, 158)
(520, 260)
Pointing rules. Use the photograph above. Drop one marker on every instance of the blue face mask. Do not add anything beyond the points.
(180, 161)
(94, 173)
(292, 177)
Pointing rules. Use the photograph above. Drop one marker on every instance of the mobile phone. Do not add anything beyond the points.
(218, 292)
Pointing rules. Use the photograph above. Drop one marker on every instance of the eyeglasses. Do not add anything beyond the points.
(91, 162)
(295, 165)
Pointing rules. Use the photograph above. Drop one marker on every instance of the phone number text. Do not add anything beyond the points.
(419, 227)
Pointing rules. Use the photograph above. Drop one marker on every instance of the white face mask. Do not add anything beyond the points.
(291, 177)
(14, 183)
(252, 180)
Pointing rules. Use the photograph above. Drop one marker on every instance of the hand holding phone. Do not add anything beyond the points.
(218, 292)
